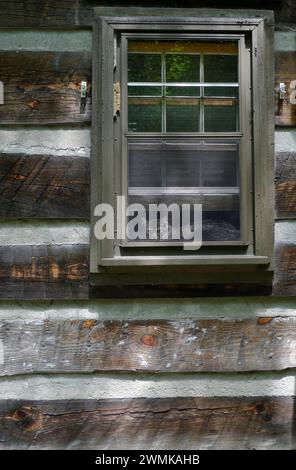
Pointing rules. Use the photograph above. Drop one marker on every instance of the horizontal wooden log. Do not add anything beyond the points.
(285, 67)
(262, 344)
(44, 272)
(28, 13)
(61, 271)
(161, 423)
(44, 186)
(44, 87)
(285, 185)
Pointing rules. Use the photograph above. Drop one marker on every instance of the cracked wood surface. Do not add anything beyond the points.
(262, 344)
(44, 186)
(142, 423)
(285, 185)
(44, 87)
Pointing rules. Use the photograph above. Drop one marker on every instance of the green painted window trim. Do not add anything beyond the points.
(251, 260)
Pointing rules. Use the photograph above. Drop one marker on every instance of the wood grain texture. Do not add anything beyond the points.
(28, 13)
(285, 71)
(44, 186)
(285, 185)
(161, 423)
(61, 271)
(44, 272)
(262, 344)
(44, 87)
(285, 273)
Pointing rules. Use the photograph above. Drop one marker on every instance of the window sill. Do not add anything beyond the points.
(185, 260)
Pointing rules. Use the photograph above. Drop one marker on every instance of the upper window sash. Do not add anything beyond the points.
(205, 101)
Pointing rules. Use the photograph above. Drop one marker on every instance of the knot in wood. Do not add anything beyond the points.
(149, 340)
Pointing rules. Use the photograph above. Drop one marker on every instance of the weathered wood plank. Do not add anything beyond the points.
(44, 87)
(61, 271)
(44, 186)
(265, 344)
(44, 272)
(28, 13)
(285, 185)
(142, 423)
(285, 273)
(285, 68)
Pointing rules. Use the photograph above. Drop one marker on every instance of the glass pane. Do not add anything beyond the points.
(172, 171)
(144, 68)
(221, 91)
(182, 168)
(220, 68)
(182, 68)
(145, 165)
(145, 91)
(182, 115)
(221, 117)
(219, 168)
(173, 70)
(144, 115)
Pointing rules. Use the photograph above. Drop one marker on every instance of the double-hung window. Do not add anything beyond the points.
(182, 147)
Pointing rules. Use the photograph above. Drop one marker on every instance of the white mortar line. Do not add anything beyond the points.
(285, 41)
(56, 41)
(150, 309)
(62, 141)
(61, 387)
(44, 232)
(285, 141)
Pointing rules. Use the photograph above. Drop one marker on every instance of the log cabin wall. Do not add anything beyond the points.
(203, 368)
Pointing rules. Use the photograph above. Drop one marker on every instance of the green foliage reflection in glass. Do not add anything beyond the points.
(144, 68)
(182, 68)
(173, 72)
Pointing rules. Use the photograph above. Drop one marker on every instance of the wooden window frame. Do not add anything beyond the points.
(252, 258)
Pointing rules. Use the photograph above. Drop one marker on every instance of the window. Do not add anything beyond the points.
(174, 91)
(182, 121)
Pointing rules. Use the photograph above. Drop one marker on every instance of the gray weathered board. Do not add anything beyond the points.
(186, 345)
(162, 423)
